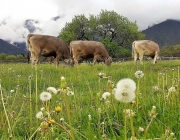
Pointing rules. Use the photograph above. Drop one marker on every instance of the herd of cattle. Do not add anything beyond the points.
(53, 47)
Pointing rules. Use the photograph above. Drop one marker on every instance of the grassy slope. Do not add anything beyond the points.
(88, 88)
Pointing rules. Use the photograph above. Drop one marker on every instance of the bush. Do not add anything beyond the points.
(114, 50)
(11, 57)
(2, 56)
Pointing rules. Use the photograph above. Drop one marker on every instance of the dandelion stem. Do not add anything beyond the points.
(36, 94)
(2, 99)
(64, 129)
(132, 126)
(137, 99)
(152, 118)
(125, 133)
(34, 133)
(30, 106)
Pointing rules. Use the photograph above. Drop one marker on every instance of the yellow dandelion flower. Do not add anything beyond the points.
(58, 109)
(50, 121)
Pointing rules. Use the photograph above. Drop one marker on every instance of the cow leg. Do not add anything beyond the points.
(155, 57)
(141, 58)
(57, 59)
(76, 59)
(135, 57)
(96, 57)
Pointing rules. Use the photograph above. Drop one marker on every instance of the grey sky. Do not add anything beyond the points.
(15, 12)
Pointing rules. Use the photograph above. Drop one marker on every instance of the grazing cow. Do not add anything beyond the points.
(145, 48)
(89, 49)
(47, 46)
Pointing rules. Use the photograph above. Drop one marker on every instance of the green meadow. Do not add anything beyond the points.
(78, 112)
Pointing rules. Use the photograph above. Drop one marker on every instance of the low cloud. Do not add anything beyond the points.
(145, 13)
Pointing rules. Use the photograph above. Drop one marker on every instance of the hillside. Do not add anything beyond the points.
(11, 49)
(166, 33)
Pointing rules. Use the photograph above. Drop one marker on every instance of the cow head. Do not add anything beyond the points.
(69, 61)
(108, 61)
(34, 59)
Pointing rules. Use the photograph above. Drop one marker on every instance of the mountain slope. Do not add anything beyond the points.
(10, 49)
(166, 33)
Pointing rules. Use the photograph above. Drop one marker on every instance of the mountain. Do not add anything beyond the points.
(11, 48)
(166, 33)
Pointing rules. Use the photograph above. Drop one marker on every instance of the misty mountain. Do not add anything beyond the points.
(166, 33)
(11, 49)
(32, 25)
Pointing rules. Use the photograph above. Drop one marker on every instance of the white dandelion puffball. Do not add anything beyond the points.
(106, 95)
(45, 96)
(52, 89)
(125, 91)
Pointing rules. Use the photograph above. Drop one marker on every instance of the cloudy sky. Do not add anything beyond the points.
(13, 13)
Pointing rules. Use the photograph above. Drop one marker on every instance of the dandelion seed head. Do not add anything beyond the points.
(172, 89)
(11, 91)
(42, 109)
(105, 95)
(45, 96)
(141, 129)
(39, 115)
(139, 74)
(129, 112)
(52, 90)
(155, 88)
(125, 91)
(70, 93)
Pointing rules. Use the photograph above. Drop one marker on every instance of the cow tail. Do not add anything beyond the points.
(70, 49)
(28, 47)
(133, 45)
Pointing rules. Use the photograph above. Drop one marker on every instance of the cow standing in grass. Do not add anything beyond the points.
(47, 46)
(89, 49)
(145, 48)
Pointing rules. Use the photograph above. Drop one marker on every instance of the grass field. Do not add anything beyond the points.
(79, 112)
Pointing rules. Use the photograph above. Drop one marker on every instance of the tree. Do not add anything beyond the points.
(107, 25)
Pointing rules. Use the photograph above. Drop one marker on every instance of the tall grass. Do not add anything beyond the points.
(85, 115)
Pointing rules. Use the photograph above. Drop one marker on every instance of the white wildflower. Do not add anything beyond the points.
(155, 88)
(99, 110)
(70, 93)
(39, 115)
(42, 109)
(105, 95)
(11, 91)
(45, 96)
(125, 91)
(62, 120)
(139, 74)
(89, 117)
(172, 89)
(52, 89)
(141, 129)
(129, 113)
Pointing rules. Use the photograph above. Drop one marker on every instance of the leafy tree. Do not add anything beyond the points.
(2, 56)
(114, 50)
(107, 25)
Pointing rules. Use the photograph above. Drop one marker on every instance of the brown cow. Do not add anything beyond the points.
(89, 49)
(47, 46)
(145, 48)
